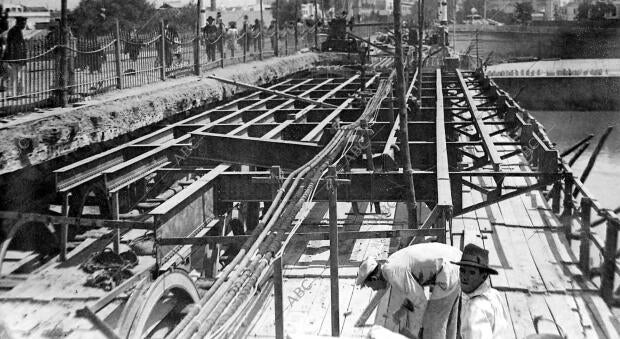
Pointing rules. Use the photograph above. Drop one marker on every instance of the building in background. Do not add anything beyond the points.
(38, 17)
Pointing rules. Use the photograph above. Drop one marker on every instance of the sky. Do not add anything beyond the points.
(55, 4)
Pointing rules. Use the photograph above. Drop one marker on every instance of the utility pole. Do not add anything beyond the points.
(200, 13)
(277, 28)
(64, 41)
(420, 44)
(402, 113)
(316, 26)
(260, 32)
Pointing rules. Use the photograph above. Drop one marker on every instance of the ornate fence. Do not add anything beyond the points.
(127, 59)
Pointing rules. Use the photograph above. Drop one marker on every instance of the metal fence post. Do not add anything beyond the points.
(609, 262)
(285, 40)
(296, 37)
(117, 55)
(162, 51)
(245, 41)
(222, 45)
(197, 55)
(584, 245)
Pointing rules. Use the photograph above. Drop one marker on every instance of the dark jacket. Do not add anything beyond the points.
(15, 45)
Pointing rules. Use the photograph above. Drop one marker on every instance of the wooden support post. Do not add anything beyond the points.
(162, 51)
(402, 108)
(590, 165)
(578, 154)
(442, 219)
(584, 246)
(64, 228)
(609, 261)
(278, 297)
(117, 56)
(576, 146)
(556, 193)
(333, 250)
(567, 214)
(115, 216)
(211, 259)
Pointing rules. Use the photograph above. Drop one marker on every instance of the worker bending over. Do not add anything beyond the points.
(408, 271)
(482, 313)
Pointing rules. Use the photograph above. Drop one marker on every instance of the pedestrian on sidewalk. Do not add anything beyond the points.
(15, 55)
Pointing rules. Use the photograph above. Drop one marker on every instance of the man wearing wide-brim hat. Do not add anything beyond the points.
(408, 271)
(482, 312)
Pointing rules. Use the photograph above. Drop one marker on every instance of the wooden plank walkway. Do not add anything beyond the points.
(533, 261)
(538, 273)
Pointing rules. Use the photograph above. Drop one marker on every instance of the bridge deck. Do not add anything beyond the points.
(537, 271)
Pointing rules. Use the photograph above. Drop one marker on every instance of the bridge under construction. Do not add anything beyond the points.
(253, 216)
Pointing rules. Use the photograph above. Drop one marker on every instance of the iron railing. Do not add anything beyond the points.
(127, 59)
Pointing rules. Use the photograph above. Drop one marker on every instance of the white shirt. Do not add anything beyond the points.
(483, 315)
(428, 264)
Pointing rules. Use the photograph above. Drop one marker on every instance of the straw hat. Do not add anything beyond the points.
(366, 267)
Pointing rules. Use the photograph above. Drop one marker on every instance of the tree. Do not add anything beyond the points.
(430, 13)
(523, 12)
(594, 11)
(582, 11)
(466, 9)
(95, 17)
(288, 10)
(500, 16)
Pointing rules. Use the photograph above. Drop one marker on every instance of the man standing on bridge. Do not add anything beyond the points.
(408, 271)
(482, 313)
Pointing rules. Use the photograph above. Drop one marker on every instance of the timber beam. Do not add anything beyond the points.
(444, 194)
(344, 235)
(253, 151)
(81, 222)
(489, 148)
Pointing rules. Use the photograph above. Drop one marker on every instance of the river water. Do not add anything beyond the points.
(568, 127)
